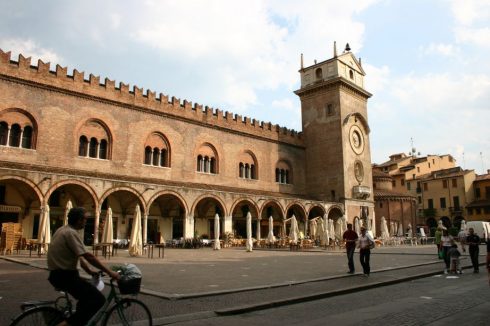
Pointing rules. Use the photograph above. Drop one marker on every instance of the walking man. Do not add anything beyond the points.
(473, 242)
(350, 237)
(365, 243)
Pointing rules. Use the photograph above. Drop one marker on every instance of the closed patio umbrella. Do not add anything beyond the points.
(357, 226)
(136, 240)
(69, 206)
(313, 226)
(249, 243)
(216, 244)
(385, 234)
(107, 232)
(326, 230)
(270, 236)
(44, 228)
(319, 229)
(294, 231)
(400, 230)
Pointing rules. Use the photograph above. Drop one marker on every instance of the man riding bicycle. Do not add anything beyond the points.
(65, 250)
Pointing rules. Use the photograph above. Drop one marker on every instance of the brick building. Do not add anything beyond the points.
(71, 137)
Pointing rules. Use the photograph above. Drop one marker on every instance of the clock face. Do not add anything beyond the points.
(356, 139)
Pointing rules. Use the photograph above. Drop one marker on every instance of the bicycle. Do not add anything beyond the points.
(117, 310)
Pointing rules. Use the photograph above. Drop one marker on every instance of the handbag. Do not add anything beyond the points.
(441, 254)
(372, 245)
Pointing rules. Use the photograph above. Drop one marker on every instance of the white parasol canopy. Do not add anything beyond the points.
(249, 243)
(44, 227)
(463, 225)
(385, 234)
(331, 228)
(69, 206)
(294, 231)
(136, 239)
(107, 232)
(312, 228)
(270, 237)
(400, 230)
(409, 231)
(326, 230)
(216, 244)
(319, 229)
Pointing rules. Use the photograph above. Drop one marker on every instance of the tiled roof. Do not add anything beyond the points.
(379, 194)
(479, 203)
(483, 177)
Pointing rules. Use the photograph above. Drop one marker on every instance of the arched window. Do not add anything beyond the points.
(27, 137)
(148, 152)
(163, 158)
(103, 149)
(156, 156)
(93, 147)
(82, 146)
(206, 154)
(283, 173)
(351, 74)
(252, 172)
(241, 170)
(247, 171)
(319, 74)
(95, 140)
(200, 163)
(14, 139)
(157, 150)
(4, 131)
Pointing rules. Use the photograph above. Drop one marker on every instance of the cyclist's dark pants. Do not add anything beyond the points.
(90, 300)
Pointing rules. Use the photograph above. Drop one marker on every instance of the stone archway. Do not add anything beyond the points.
(80, 195)
(274, 209)
(315, 211)
(122, 202)
(21, 203)
(166, 218)
(239, 216)
(204, 214)
(299, 212)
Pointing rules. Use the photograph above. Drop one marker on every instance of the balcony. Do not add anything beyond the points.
(361, 192)
(456, 210)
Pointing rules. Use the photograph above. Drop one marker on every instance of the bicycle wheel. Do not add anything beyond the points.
(129, 312)
(41, 316)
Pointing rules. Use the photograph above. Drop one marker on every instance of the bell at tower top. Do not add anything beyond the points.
(343, 66)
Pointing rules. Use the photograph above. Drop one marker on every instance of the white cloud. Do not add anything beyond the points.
(115, 20)
(378, 78)
(477, 36)
(468, 12)
(448, 50)
(29, 48)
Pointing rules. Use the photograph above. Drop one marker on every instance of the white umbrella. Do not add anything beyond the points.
(136, 240)
(357, 226)
(312, 229)
(249, 243)
(331, 228)
(400, 230)
(44, 228)
(270, 237)
(319, 229)
(69, 206)
(463, 225)
(326, 230)
(216, 244)
(107, 232)
(294, 231)
(409, 231)
(338, 227)
(385, 234)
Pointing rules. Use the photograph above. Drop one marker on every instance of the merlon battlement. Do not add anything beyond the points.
(138, 97)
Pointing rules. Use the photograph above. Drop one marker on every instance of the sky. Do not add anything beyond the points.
(426, 61)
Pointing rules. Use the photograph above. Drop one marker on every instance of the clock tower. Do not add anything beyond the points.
(336, 130)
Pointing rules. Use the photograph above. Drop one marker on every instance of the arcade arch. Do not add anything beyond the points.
(239, 218)
(204, 214)
(166, 217)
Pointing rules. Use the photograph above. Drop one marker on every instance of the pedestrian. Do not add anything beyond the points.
(488, 260)
(437, 241)
(454, 255)
(365, 245)
(350, 237)
(446, 243)
(473, 242)
(65, 251)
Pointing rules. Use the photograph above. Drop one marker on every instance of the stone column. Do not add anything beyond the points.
(258, 228)
(145, 227)
(189, 227)
(96, 225)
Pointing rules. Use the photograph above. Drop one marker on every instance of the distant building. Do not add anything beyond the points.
(479, 208)
(398, 208)
(66, 136)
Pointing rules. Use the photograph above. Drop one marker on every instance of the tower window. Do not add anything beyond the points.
(319, 74)
(351, 74)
